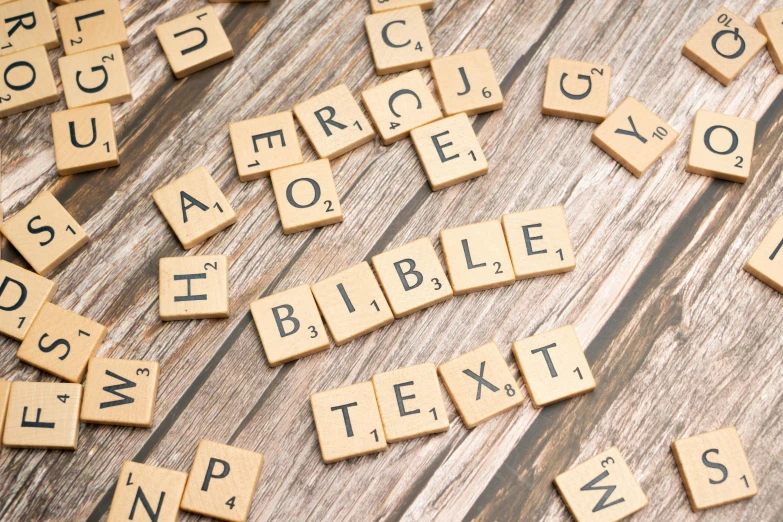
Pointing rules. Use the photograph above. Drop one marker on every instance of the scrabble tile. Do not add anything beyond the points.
(334, 122)
(553, 366)
(44, 233)
(634, 136)
(147, 493)
(412, 277)
(43, 415)
(721, 146)
(480, 384)
(263, 144)
(538, 242)
(601, 489)
(84, 139)
(378, 6)
(5, 391)
(476, 257)
(22, 295)
(410, 402)
(26, 81)
(289, 325)
(449, 151)
(93, 77)
(771, 25)
(222, 481)
(120, 392)
(193, 287)
(91, 24)
(466, 83)
(714, 468)
(399, 40)
(400, 105)
(577, 90)
(347, 422)
(61, 342)
(26, 24)
(195, 207)
(766, 263)
(194, 42)
(306, 196)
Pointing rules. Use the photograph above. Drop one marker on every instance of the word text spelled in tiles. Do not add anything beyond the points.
(578, 90)
(26, 81)
(771, 25)
(466, 83)
(347, 422)
(22, 295)
(721, 146)
(91, 24)
(193, 287)
(378, 6)
(263, 144)
(43, 415)
(84, 139)
(477, 257)
(97, 76)
(766, 263)
(26, 24)
(400, 105)
(5, 392)
(306, 196)
(634, 136)
(147, 493)
(120, 392)
(399, 40)
(539, 243)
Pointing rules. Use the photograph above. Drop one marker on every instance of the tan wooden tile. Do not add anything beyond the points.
(352, 303)
(449, 151)
(263, 144)
(399, 40)
(194, 207)
(56, 2)
(400, 105)
(147, 493)
(22, 295)
(347, 422)
(539, 243)
(476, 257)
(61, 342)
(467, 83)
(222, 481)
(194, 41)
(577, 90)
(412, 277)
(721, 146)
(26, 81)
(84, 139)
(193, 287)
(410, 402)
(5, 392)
(44, 233)
(553, 366)
(91, 24)
(43, 415)
(770, 24)
(289, 325)
(306, 196)
(26, 24)
(121, 392)
(378, 6)
(97, 76)
(766, 262)
(724, 45)
(634, 136)
(334, 122)
(480, 384)
(714, 468)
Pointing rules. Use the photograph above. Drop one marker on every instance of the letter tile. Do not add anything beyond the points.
(43, 415)
(22, 295)
(766, 263)
(264, 144)
(467, 83)
(539, 243)
(378, 6)
(721, 146)
(91, 24)
(5, 391)
(306, 196)
(399, 40)
(121, 392)
(147, 493)
(84, 139)
(193, 287)
(93, 77)
(577, 90)
(771, 25)
(26, 82)
(26, 24)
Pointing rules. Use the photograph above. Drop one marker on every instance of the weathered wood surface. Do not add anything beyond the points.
(680, 339)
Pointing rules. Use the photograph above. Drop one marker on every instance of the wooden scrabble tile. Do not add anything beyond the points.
(577, 90)
(289, 325)
(222, 481)
(466, 83)
(22, 295)
(378, 6)
(771, 25)
(352, 303)
(399, 40)
(601, 489)
(195, 207)
(410, 402)
(194, 42)
(84, 139)
(306, 196)
(5, 391)
(449, 151)
(193, 287)
(480, 384)
(147, 493)
(334, 122)
(26, 24)
(553, 366)
(120, 392)
(721, 146)
(61, 342)
(634, 136)
(91, 24)
(714, 468)
(766, 263)
(412, 277)
(476, 257)
(44, 233)
(26, 82)
(263, 144)
(43, 415)
(538, 242)
(93, 77)
(400, 105)
(347, 422)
